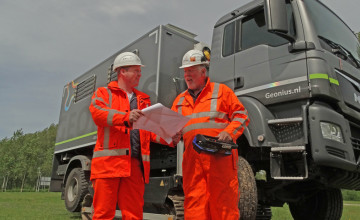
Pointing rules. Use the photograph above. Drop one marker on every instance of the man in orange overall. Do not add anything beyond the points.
(121, 161)
(210, 181)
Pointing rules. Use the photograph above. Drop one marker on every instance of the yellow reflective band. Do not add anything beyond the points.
(323, 76)
(76, 138)
(334, 81)
(319, 76)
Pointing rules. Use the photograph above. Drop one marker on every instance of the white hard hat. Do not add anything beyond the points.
(195, 57)
(126, 59)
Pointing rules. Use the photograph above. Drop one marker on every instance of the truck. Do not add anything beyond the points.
(295, 66)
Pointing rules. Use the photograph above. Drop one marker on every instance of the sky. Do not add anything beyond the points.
(45, 44)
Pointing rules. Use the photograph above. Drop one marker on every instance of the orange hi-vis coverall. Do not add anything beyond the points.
(116, 176)
(210, 181)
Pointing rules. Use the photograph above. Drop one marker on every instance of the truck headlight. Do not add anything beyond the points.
(331, 131)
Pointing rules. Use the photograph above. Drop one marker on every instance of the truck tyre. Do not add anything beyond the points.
(325, 204)
(248, 191)
(75, 189)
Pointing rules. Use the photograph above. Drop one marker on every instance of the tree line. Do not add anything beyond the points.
(26, 157)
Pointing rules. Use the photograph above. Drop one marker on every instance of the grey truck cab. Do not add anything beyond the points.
(293, 64)
(295, 67)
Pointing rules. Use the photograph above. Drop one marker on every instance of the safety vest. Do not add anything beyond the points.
(216, 109)
(110, 110)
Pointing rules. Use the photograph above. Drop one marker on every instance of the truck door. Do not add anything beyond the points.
(222, 54)
(264, 67)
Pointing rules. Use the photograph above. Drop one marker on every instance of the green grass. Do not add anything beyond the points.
(351, 211)
(33, 205)
(47, 205)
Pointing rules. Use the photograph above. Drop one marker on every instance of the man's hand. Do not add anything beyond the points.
(177, 138)
(135, 115)
(224, 136)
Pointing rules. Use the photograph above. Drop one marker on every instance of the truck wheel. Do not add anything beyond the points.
(75, 189)
(325, 204)
(248, 191)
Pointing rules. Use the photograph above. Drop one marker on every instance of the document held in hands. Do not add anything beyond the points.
(161, 121)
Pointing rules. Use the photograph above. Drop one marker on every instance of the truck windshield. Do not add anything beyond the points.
(331, 27)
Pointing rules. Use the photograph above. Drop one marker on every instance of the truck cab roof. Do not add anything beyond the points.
(243, 10)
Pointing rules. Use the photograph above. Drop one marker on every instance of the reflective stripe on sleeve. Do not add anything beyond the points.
(95, 105)
(206, 125)
(212, 115)
(111, 114)
(111, 111)
(107, 153)
(239, 112)
(97, 98)
(241, 126)
(146, 158)
(241, 120)
(101, 99)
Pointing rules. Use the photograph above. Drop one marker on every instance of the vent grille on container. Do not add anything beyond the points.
(85, 88)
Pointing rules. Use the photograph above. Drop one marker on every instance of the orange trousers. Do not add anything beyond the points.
(210, 185)
(127, 192)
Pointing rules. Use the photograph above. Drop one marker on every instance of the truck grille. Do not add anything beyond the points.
(85, 88)
(356, 145)
(335, 152)
(286, 133)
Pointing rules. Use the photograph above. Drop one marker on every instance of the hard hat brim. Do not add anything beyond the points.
(193, 64)
(127, 66)
(133, 65)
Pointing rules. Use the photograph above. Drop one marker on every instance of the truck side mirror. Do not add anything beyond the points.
(276, 18)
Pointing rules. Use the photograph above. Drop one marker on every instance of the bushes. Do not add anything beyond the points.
(351, 195)
(25, 157)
